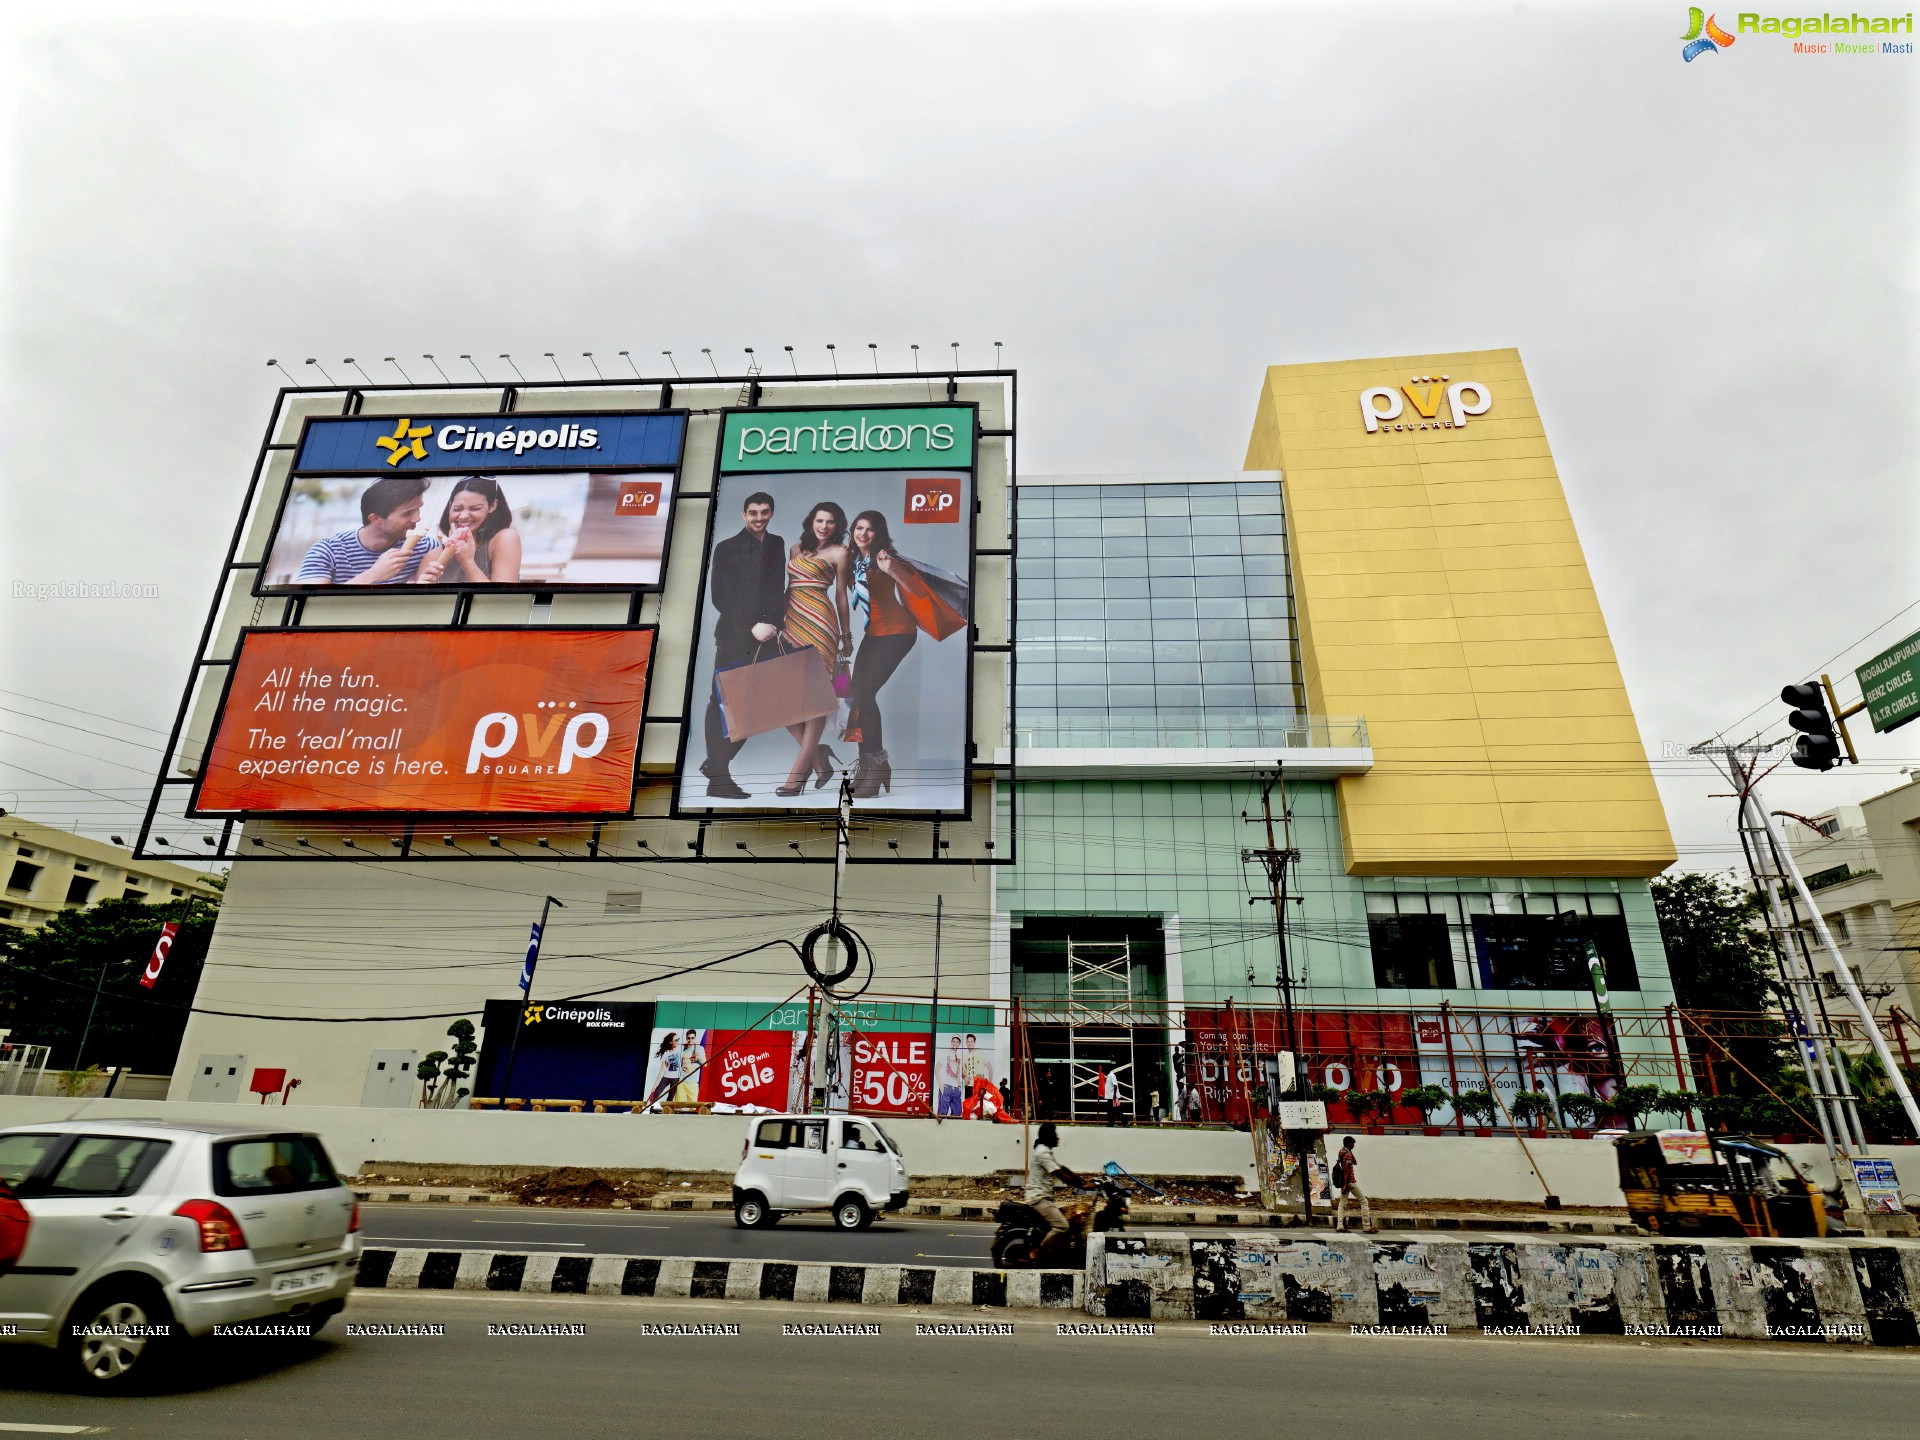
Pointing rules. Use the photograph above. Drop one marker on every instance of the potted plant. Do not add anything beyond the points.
(1532, 1108)
(1370, 1108)
(1478, 1106)
(1578, 1111)
(1633, 1102)
(1426, 1099)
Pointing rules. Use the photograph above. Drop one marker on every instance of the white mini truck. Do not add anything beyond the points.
(843, 1164)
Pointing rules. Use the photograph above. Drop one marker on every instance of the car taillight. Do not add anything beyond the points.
(353, 1224)
(218, 1229)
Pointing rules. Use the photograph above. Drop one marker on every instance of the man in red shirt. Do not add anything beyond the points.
(1346, 1180)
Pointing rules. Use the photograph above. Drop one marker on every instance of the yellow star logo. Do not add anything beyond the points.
(397, 442)
(535, 1014)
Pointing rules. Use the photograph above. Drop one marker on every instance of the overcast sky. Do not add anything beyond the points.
(1709, 269)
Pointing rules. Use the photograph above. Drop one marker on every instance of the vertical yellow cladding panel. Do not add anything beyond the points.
(1437, 467)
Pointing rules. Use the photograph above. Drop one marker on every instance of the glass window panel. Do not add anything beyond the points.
(1379, 904)
(1120, 587)
(1223, 564)
(1262, 525)
(1237, 651)
(1071, 505)
(1272, 565)
(1604, 904)
(1227, 524)
(1223, 609)
(1129, 610)
(1078, 673)
(1173, 608)
(1219, 586)
(1129, 674)
(1078, 547)
(1131, 697)
(1229, 697)
(1447, 905)
(1079, 589)
(1122, 499)
(1164, 500)
(1129, 629)
(1172, 587)
(1264, 609)
(1216, 545)
(1082, 697)
(1213, 500)
(1263, 544)
(1178, 697)
(1078, 569)
(1119, 545)
(1211, 629)
(1123, 525)
(1267, 503)
(1173, 672)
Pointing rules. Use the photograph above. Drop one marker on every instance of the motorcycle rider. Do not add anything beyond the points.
(1045, 1177)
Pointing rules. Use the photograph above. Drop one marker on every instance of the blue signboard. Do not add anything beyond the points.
(393, 444)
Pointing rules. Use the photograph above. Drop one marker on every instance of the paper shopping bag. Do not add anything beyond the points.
(936, 600)
(778, 691)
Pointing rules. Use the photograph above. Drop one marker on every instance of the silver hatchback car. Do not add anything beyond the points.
(146, 1232)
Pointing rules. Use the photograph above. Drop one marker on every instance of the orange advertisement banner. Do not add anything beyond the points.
(485, 722)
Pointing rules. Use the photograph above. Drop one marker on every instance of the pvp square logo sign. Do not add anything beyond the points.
(934, 500)
(638, 497)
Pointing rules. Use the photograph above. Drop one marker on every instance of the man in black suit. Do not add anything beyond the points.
(747, 583)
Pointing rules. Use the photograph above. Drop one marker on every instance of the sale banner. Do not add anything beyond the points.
(890, 1072)
(747, 1067)
(159, 956)
(471, 721)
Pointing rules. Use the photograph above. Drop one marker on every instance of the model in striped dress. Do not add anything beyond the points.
(818, 574)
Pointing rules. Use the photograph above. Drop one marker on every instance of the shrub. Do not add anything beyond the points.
(1578, 1111)
(1531, 1107)
(1479, 1106)
(1426, 1099)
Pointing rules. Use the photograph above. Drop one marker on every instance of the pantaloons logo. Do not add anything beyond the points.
(1384, 408)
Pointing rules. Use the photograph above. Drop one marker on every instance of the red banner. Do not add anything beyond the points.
(159, 956)
(1232, 1060)
(747, 1067)
(890, 1073)
(494, 722)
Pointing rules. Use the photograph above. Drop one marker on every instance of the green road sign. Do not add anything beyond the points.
(1890, 684)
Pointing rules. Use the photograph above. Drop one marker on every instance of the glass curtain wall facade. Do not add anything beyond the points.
(1154, 614)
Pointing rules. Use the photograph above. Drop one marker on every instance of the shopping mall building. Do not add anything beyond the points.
(1382, 631)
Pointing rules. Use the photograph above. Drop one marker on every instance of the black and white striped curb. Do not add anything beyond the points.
(679, 1278)
(1816, 1290)
(1139, 1215)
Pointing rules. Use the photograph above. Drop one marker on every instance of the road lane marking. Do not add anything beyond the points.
(928, 1255)
(14, 1427)
(563, 1224)
(443, 1244)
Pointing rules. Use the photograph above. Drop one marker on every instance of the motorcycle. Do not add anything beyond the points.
(1022, 1228)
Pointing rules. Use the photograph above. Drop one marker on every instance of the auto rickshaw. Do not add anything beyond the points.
(1687, 1182)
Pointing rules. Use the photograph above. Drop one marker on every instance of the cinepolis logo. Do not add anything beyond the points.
(409, 440)
(398, 442)
(1712, 42)
(591, 1015)
(1463, 398)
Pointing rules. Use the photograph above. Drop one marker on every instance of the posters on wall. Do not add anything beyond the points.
(572, 530)
(1230, 1061)
(835, 616)
(469, 721)
(531, 501)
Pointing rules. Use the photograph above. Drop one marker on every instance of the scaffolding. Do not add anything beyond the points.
(1100, 1024)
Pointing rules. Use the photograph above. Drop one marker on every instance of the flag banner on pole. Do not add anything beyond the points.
(533, 958)
(159, 957)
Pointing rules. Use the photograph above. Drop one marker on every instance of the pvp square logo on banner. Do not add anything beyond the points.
(639, 497)
(933, 500)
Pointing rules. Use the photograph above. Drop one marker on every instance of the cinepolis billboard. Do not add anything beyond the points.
(529, 501)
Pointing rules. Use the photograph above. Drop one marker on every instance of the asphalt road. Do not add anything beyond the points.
(617, 1380)
(708, 1234)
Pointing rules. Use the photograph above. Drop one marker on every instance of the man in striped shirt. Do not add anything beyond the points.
(377, 553)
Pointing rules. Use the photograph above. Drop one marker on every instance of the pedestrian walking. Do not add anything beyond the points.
(1346, 1180)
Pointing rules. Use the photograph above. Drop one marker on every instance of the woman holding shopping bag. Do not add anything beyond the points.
(889, 636)
(819, 573)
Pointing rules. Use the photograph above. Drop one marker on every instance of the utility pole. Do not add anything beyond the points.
(1276, 858)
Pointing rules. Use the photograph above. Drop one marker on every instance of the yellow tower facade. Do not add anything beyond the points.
(1440, 592)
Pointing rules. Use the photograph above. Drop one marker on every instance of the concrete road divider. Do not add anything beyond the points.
(647, 1276)
(1817, 1290)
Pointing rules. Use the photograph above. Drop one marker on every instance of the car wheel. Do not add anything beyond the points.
(120, 1328)
(851, 1213)
(750, 1212)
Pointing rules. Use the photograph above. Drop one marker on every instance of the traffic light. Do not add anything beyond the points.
(1818, 747)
